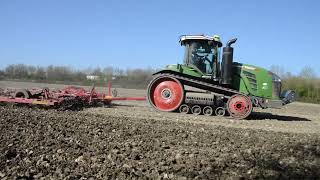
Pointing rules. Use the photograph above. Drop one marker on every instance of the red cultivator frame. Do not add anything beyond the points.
(71, 97)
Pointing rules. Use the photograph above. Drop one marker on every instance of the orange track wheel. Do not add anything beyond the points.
(239, 106)
(165, 93)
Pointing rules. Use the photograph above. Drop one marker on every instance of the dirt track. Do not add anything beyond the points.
(131, 140)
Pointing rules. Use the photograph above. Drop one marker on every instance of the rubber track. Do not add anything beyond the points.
(196, 83)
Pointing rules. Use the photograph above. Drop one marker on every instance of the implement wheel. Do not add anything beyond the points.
(23, 93)
(165, 93)
(239, 106)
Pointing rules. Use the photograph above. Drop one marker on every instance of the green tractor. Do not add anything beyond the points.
(205, 85)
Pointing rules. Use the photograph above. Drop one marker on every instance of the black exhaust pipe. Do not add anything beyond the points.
(227, 60)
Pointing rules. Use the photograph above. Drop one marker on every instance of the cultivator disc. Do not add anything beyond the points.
(239, 106)
(165, 93)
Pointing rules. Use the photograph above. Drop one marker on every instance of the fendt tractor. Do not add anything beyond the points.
(205, 85)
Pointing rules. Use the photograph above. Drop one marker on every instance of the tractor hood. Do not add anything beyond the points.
(254, 80)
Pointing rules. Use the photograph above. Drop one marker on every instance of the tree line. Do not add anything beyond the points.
(126, 78)
(306, 84)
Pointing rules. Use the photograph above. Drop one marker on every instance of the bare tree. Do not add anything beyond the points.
(9, 71)
(40, 73)
(307, 72)
(2, 74)
(108, 71)
(97, 72)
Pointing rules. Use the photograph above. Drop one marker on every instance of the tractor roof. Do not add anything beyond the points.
(214, 38)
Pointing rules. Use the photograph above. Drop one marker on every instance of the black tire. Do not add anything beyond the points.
(22, 93)
(114, 93)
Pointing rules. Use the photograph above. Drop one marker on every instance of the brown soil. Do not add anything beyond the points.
(131, 140)
(39, 143)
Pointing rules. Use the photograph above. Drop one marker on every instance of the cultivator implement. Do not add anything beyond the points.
(69, 98)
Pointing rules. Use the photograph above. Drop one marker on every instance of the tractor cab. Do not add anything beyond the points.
(202, 54)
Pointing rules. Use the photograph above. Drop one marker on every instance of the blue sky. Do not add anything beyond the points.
(131, 34)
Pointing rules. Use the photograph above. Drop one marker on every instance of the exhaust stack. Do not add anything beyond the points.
(226, 64)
